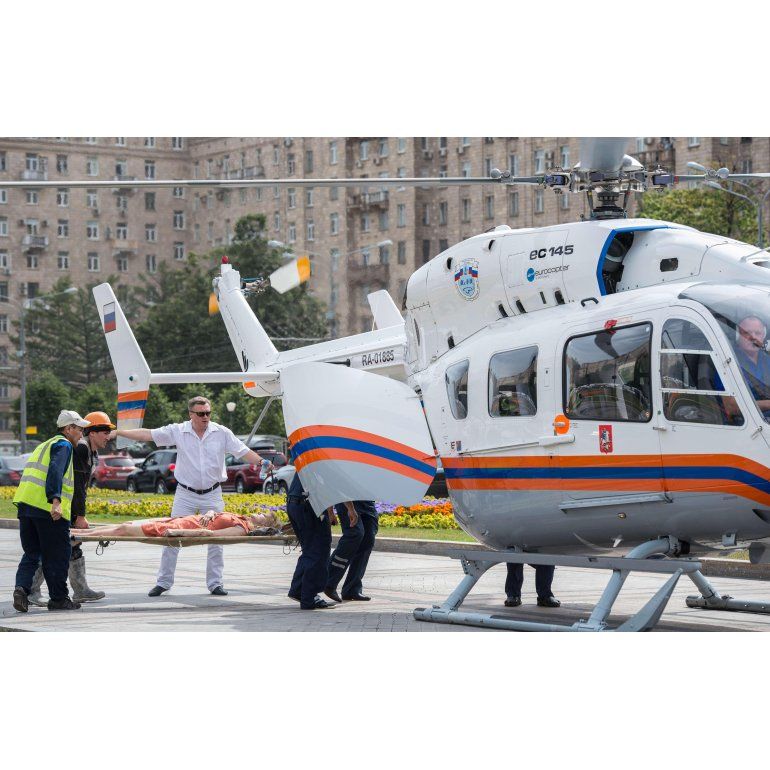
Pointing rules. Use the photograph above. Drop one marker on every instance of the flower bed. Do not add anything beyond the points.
(431, 513)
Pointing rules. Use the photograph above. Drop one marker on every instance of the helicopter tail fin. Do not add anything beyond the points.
(131, 369)
(384, 309)
(248, 337)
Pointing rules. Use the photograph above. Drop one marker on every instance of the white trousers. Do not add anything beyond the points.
(187, 503)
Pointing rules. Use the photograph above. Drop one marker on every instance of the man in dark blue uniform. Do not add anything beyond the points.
(543, 581)
(315, 539)
(359, 529)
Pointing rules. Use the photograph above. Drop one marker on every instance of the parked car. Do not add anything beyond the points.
(247, 477)
(10, 470)
(111, 471)
(279, 481)
(154, 474)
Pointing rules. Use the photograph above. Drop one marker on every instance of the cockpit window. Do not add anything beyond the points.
(457, 389)
(691, 386)
(607, 375)
(743, 313)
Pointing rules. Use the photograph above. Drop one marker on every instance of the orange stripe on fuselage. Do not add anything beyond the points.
(130, 413)
(316, 455)
(315, 431)
(134, 395)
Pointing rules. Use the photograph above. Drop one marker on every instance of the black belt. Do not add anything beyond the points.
(200, 491)
(297, 498)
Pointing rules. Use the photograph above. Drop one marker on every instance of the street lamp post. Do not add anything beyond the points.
(23, 307)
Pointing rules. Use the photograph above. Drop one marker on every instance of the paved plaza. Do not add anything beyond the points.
(257, 577)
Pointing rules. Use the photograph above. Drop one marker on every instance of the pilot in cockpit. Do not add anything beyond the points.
(754, 360)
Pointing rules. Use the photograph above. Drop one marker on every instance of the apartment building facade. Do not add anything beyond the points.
(359, 239)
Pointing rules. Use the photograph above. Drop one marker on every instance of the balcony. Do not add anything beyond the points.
(659, 156)
(120, 247)
(363, 201)
(249, 172)
(35, 242)
(124, 178)
(39, 175)
(373, 273)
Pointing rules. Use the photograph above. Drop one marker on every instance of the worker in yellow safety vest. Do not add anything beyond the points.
(44, 504)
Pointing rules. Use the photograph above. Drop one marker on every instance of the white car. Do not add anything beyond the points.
(279, 481)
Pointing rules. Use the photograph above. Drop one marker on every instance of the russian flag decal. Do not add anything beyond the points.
(109, 317)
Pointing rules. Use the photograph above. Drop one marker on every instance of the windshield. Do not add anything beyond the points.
(743, 313)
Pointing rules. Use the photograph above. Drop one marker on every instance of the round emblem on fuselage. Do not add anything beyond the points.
(531, 274)
(467, 278)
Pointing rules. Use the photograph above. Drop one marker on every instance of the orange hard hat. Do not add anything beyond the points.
(97, 419)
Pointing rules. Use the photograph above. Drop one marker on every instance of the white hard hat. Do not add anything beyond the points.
(68, 417)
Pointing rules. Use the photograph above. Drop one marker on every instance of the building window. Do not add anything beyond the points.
(332, 153)
(539, 202)
(179, 220)
(310, 230)
(177, 143)
(93, 262)
(746, 166)
(334, 193)
(149, 169)
(443, 212)
(63, 260)
(365, 223)
(466, 209)
(539, 162)
(122, 263)
(33, 197)
(489, 206)
(3, 291)
(92, 166)
(277, 221)
(4, 195)
(513, 164)
(292, 232)
(149, 141)
(308, 161)
(363, 150)
(178, 192)
(291, 164)
(63, 228)
(90, 140)
(121, 203)
(443, 244)
(120, 141)
(564, 156)
(3, 226)
(152, 263)
(334, 224)
(196, 232)
(3, 324)
(382, 219)
(150, 233)
(693, 141)
(426, 214)
(3, 161)
(309, 197)
(92, 231)
(32, 162)
(401, 171)
(291, 195)
(366, 260)
(401, 252)
(513, 204)
(401, 215)
(149, 201)
(425, 250)
(62, 198)
(121, 231)
(62, 167)
(401, 144)
(487, 167)
(384, 254)
(564, 201)
(210, 231)
(92, 199)
(383, 148)
(32, 263)
(121, 168)
(466, 170)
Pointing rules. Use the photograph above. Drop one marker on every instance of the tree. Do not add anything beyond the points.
(47, 395)
(247, 410)
(708, 210)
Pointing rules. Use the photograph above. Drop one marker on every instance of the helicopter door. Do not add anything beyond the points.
(700, 414)
(356, 435)
(607, 395)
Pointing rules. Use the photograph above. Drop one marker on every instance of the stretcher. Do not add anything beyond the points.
(181, 540)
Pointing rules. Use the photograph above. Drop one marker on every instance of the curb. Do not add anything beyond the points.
(729, 568)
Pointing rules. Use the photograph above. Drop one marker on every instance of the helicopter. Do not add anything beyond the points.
(590, 388)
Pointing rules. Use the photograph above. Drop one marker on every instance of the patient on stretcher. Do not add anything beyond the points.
(209, 524)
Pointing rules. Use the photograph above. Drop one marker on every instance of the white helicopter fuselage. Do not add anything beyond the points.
(640, 453)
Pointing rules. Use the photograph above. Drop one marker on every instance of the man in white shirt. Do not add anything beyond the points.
(201, 446)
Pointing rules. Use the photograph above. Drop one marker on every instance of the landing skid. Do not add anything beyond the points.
(711, 600)
(476, 562)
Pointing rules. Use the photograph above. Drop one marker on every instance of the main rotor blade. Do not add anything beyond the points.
(602, 153)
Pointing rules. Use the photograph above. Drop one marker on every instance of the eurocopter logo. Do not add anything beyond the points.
(467, 279)
(532, 273)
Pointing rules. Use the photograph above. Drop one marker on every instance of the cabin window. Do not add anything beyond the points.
(607, 375)
(457, 389)
(691, 386)
(513, 383)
